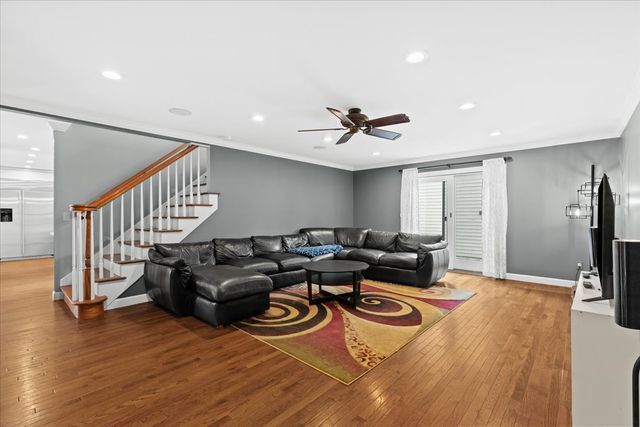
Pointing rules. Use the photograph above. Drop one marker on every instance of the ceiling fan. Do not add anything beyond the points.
(355, 121)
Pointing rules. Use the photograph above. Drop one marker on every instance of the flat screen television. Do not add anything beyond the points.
(593, 248)
(604, 241)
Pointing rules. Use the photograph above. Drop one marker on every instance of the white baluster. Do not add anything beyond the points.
(74, 259)
(199, 196)
(113, 244)
(184, 187)
(122, 236)
(151, 210)
(160, 200)
(91, 257)
(101, 247)
(133, 222)
(80, 251)
(142, 213)
(168, 197)
(191, 175)
(175, 191)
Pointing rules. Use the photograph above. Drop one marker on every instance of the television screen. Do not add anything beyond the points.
(606, 226)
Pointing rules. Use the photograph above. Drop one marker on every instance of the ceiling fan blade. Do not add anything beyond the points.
(318, 130)
(388, 120)
(346, 121)
(381, 133)
(347, 136)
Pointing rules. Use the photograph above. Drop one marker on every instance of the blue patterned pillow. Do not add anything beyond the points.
(312, 251)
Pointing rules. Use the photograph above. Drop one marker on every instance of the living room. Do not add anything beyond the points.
(313, 213)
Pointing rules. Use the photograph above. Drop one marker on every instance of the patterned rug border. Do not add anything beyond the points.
(381, 362)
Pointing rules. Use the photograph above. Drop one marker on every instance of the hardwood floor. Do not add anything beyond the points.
(501, 358)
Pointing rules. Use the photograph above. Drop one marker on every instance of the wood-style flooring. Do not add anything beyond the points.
(502, 358)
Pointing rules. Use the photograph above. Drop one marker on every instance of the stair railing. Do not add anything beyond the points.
(84, 269)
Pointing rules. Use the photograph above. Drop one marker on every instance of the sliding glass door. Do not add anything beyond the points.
(451, 205)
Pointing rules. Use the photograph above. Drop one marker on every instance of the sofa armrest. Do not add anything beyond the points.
(433, 263)
(166, 287)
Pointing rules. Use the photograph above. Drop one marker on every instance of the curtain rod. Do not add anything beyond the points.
(448, 165)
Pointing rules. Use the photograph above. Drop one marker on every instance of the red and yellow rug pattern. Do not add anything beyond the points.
(343, 342)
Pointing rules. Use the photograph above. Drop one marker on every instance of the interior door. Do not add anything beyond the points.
(10, 223)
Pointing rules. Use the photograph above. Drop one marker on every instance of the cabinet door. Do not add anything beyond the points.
(10, 224)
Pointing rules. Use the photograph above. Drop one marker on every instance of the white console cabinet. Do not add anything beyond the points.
(602, 356)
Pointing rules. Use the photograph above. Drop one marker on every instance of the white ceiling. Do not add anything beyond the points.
(543, 73)
(14, 152)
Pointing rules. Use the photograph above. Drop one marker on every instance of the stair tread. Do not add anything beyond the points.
(68, 293)
(136, 244)
(119, 260)
(108, 276)
(162, 230)
(178, 217)
(199, 204)
(202, 193)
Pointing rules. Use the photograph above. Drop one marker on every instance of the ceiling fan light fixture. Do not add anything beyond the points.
(416, 57)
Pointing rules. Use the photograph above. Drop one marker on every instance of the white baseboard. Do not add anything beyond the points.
(541, 280)
(57, 295)
(127, 301)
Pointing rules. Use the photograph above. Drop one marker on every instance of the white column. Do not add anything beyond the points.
(122, 237)
(101, 247)
(74, 259)
(151, 209)
(92, 256)
(142, 213)
(199, 195)
(184, 187)
(133, 222)
(80, 252)
(113, 243)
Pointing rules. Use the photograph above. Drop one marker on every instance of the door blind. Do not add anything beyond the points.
(430, 206)
(468, 216)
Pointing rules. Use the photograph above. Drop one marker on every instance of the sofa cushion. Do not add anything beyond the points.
(409, 242)
(349, 236)
(258, 264)
(382, 240)
(320, 236)
(323, 257)
(370, 256)
(266, 244)
(344, 252)
(291, 241)
(287, 262)
(407, 260)
(226, 249)
(192, 253)
(225, 282)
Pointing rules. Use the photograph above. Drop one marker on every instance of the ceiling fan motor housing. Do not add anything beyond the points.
(357, 117)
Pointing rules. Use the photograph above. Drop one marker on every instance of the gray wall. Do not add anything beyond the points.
(541, 241)
(629, 163)
(259, 194)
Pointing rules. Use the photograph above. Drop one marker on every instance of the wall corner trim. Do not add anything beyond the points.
(541, 280)
(56, 295)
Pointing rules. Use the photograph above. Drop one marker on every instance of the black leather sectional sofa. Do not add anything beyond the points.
(225, 280)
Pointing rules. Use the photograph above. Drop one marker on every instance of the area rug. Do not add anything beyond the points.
(343, 342)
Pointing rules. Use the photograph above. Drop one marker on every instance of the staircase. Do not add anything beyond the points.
(111, 235)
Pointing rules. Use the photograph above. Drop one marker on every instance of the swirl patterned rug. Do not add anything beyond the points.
(345, 343)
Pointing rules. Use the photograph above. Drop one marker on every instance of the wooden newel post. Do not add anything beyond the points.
(87, 257)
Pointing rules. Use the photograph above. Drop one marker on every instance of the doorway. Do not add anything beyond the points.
(450, 203)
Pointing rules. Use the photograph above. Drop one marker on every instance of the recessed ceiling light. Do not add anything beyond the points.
(257, 118)
(29, 162)
(27, 166)
(327, 138)
(180, 111)
(35, 149)
(496, 133)
(376, 153)
(416, 57)
(319, 147)
(467, 106)
(22, 136)
(111, 75)
(31, 155)
(224, 137)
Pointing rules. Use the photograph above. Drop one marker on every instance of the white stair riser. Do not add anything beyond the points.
(173, 223)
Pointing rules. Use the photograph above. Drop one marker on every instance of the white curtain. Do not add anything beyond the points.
(494, 218)
(409, 201)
